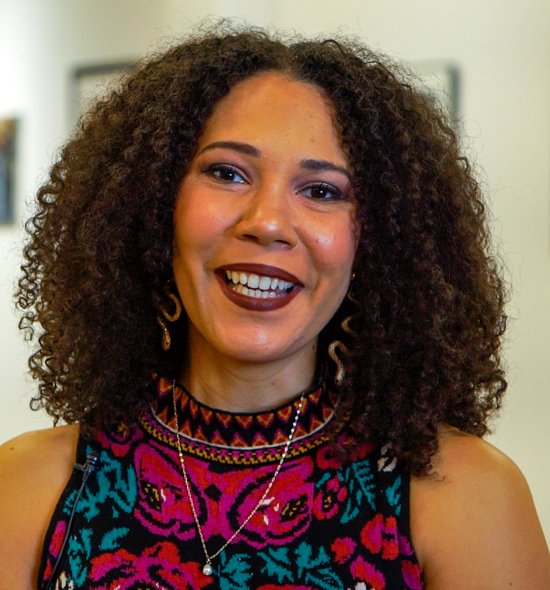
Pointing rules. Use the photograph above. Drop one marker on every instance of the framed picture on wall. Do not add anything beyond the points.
(91, 82)
(442, 81)
(8, 134)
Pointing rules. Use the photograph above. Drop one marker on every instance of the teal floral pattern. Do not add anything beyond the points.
(326, 524)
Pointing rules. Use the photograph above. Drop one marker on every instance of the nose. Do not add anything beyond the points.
(268, 217)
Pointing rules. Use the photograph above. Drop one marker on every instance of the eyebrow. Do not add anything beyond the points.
(324, 165)
(244, 148)
(250, 150)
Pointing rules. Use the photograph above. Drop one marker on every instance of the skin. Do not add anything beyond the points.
(473, 522)
(270, 185)
(34, 469)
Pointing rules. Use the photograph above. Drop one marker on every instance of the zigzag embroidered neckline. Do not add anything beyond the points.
(238, 437)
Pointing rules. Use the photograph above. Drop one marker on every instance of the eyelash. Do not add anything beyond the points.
(325, 187)
(217, 171)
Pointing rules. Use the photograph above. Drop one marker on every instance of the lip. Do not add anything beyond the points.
(252, 303)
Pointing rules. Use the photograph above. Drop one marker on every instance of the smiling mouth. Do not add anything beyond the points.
(257, 286)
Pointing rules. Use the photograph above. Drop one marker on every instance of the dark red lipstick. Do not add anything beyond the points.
(284, 297)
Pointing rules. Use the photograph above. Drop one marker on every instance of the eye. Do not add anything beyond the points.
(225, 173)
(323, 191)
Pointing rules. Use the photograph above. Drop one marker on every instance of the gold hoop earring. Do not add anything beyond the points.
(166, 340)
(174, 317)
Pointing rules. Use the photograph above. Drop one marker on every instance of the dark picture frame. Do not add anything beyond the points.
(441, 80)
(8, 141)
(91, 82)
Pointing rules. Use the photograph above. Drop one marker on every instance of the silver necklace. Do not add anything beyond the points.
(207, 568)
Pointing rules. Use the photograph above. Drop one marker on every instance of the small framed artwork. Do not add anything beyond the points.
(92, 82)
(442, 81)
(8, 135)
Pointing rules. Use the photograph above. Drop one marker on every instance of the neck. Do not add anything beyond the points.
(241, 386)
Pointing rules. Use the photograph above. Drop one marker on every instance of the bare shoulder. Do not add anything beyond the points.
(34, 458)
(473, 521)
(34, 469)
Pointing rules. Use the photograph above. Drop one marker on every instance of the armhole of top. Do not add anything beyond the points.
(405, 516)
(57, 515)
(388, 479)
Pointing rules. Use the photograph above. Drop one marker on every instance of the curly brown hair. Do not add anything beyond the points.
(427, 299)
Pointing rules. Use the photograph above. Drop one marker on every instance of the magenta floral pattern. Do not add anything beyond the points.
(325, 524)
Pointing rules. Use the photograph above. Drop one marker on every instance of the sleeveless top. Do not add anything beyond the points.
(327, 523)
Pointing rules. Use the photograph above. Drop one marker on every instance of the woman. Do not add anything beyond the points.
(269, 317)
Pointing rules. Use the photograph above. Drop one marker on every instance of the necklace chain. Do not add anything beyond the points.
(207, 569)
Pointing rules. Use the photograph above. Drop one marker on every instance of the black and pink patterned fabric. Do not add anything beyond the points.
(326, 524)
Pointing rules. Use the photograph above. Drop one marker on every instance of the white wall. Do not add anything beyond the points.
(503, 50)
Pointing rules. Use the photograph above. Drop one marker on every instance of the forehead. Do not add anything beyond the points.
(271, 106)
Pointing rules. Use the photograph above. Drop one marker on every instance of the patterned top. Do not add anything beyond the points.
(326, 524)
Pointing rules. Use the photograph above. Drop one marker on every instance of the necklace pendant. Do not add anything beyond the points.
(207, 569)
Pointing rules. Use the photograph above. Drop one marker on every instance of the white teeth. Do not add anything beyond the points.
(254, 281)
(249, 292)
(264, 283)
(258, 286)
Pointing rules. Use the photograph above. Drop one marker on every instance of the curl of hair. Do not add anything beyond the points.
(427, 291)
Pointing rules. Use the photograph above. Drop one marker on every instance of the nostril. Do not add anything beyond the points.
(264, 240)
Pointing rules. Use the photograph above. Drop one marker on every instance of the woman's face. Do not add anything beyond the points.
(264, 223)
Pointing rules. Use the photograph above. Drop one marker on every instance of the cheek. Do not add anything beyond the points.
(196, 222)
(335, 247)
